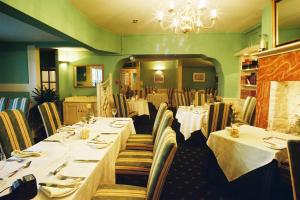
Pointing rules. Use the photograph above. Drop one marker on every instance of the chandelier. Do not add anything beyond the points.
(189, 17)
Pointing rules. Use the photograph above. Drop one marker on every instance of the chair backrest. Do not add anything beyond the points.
(21, 103)
(218, 116)
(15, 131)
(120, 105)
(248, 111)
(3, 102)
(166, 121)
(162, 108)
(50, 117)
(200, 99)
(294, 155)
(170, 96)
(179, 99)
(187, 97)
(162, 161)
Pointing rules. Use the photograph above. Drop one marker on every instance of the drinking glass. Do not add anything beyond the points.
(114, 111)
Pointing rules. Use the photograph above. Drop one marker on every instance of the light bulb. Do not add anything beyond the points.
(175, 23)
(202, 4)
(160, 16)
(213, 14)
(171, 6)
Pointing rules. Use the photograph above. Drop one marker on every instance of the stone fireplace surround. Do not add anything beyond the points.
(279, 64)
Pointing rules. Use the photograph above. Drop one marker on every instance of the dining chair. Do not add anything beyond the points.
(248, 111)
(146, 141)
(187, 98)
(21, 103)
(122, 107)
(50, 117)
(179, 99)
(138, 162)
(170, 96)
(293, 147)
(200, 99)
(15, 131)
(162, 161)
(218, 117)
(3, 102)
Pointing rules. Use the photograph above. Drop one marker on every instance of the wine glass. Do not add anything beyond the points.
(114, 111)
(2, 160)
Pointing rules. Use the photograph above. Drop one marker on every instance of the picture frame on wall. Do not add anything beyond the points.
(159, 78)
(198, 77)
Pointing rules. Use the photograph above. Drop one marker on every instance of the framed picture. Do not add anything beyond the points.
(198, 77)
(159, 78)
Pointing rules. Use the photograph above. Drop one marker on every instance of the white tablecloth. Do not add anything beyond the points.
(190, 119)
(238, 156)
(95, 173)
(140, 106)
(157, 99)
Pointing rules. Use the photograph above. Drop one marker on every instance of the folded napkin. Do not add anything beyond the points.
(60, 188)
(24, 154)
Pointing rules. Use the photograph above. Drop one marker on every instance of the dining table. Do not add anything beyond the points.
(253, 148)
(191, 119)
(67, 166)
(157, 98)
(140, 106)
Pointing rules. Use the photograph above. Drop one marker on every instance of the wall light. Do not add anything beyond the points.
(159, 72)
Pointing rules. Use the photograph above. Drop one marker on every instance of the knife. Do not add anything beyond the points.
(81, 160)
(58, 185)
(59, 168)
(48, 140)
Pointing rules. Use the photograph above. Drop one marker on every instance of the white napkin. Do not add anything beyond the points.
(24, 154)
(57, 191)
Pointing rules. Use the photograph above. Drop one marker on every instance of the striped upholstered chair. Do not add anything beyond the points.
(15, 133)
(218, 117)
(248, 111)
(146, 141)
(21, 103)
(138, 162)
(200, 99)
(170, 96)
(294, 162)
(161, 164)
(3, 102)
(188, 97)
(50, 117)
(121, 106)
(179, 99)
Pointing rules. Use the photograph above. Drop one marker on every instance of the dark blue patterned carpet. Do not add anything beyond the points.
(195, 173)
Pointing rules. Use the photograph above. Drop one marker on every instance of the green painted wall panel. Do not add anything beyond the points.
(13, 64)
(219, 46)
(112, 64)
(187, 77)
(61, 16)
(266, 23)
(169, 69)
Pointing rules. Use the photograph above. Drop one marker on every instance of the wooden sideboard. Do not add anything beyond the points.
(74, 111)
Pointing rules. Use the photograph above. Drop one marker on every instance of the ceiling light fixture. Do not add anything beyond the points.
(189, 17)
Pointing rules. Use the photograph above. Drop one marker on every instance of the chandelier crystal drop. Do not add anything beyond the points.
(188, 18)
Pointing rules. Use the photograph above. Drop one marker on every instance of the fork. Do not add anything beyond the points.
(26, 165)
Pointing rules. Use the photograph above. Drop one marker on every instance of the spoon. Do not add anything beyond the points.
(26, 165)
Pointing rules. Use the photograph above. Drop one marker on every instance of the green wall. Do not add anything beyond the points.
(252, 36)
(187, 77)
(220, 47)
(112, 64)
(13, 63)
(63, 19)
(287, 35)
(266, 24)
(169, 69)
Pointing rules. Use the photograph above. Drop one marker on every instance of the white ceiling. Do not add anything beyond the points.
(13, 30)
(117, 15)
